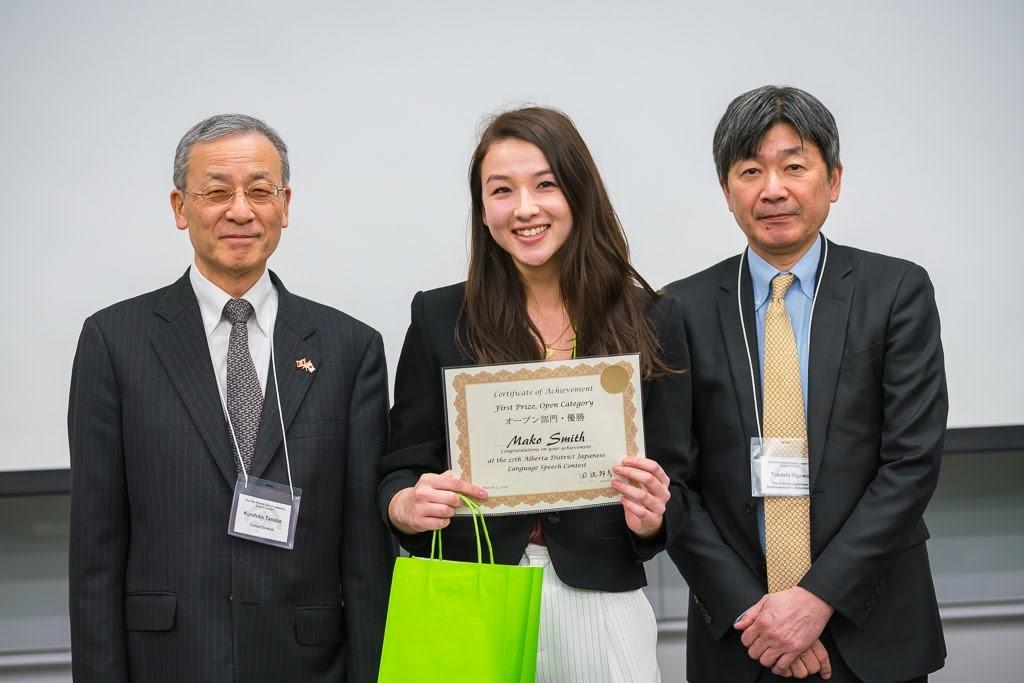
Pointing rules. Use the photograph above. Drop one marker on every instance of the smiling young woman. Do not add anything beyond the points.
(549, 277)
(602, 293)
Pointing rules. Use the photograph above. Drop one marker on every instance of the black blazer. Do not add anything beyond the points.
(159, 591)
(590, 548)
(876, 422)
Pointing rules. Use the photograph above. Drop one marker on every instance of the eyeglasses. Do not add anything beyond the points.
(260, 193)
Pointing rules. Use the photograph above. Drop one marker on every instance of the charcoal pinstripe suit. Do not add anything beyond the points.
(159, 591)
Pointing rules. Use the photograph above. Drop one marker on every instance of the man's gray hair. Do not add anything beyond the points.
(220, 126)
(749, 117)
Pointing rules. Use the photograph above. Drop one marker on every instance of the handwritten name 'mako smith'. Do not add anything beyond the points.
(555, 438)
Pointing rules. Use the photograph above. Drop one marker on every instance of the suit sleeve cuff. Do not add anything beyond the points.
(815, 583)
(647, 548)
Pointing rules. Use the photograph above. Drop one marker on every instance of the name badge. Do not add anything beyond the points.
(265, 512)
(779, 467)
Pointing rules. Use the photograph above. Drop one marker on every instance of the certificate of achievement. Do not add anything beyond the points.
(544, 436)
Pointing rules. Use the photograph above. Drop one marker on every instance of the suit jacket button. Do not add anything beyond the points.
(554, 518)
(229, 597)
(707, 618)
(750, 508)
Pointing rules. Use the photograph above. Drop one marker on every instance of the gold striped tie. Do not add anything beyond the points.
(787, 519)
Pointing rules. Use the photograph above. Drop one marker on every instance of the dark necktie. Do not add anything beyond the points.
(245, 399)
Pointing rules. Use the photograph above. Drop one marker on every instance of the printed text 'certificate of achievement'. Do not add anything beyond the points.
(545, 435)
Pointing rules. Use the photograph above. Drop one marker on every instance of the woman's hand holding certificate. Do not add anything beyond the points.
(644, 495)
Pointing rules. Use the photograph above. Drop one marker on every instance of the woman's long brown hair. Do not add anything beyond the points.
(603, 294)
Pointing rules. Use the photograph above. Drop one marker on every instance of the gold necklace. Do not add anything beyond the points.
(549, 349)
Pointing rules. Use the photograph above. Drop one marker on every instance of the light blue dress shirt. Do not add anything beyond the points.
(799, 302)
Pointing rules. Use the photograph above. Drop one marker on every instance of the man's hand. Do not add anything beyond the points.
(431, 503)
(782, 626)
(813, 660)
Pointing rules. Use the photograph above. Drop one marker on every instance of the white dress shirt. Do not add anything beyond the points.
(263, 297)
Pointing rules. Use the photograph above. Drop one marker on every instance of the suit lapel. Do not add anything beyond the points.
(740, 364)
(292, 330)
(828, 340)
(185, 354)
(740, 368)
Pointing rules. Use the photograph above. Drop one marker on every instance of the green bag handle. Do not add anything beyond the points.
(477, 514)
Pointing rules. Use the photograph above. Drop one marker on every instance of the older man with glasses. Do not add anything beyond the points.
(224, 441)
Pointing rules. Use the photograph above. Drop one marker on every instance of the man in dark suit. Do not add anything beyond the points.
(844, 345)
(179, 397)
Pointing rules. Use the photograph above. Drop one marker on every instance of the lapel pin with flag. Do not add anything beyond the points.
(305, 364)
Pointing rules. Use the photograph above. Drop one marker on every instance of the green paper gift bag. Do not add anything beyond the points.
(461, 621)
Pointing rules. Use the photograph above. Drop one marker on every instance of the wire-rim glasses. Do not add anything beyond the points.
(257, 193)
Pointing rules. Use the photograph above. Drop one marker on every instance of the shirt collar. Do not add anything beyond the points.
(212, 299)
(762, 273)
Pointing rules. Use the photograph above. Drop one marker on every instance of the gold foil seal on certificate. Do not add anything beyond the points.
(614, 379)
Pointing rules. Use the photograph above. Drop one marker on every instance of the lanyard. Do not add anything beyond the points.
(280, 417)
(743, 325)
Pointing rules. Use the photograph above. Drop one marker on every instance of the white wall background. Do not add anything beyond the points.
(380, 103)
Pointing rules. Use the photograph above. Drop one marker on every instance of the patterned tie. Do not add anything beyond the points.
(245, 399)
(787, 520)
